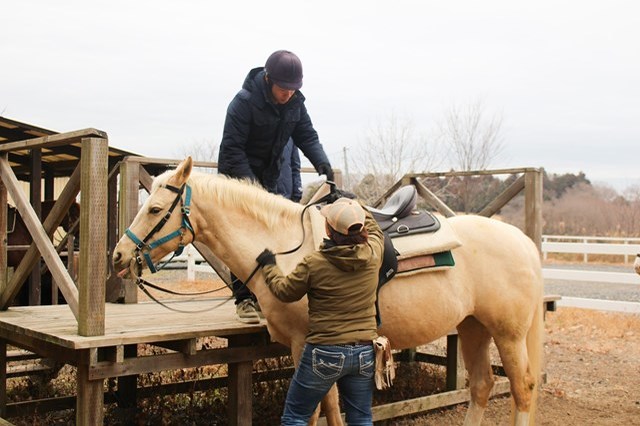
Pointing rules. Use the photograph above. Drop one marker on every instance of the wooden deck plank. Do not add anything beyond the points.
(144, 322)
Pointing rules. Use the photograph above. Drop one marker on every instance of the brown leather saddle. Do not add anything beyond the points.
(399, 217)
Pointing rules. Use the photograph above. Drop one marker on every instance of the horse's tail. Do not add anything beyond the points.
(535, 340)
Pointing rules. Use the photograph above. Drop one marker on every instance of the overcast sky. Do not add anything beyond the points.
(158, 75)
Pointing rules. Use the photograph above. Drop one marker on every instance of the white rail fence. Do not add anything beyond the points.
(594, 245)
(590, 245)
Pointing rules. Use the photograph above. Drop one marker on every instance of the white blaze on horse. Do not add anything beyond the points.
(494, 291)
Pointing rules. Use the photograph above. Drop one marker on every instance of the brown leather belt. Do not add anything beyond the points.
(357, 343)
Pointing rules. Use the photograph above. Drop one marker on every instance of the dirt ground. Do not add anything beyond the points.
(593, 374)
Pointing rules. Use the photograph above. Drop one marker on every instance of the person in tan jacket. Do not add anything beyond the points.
(340, 281)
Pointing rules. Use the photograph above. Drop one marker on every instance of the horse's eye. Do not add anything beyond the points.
(155, 210)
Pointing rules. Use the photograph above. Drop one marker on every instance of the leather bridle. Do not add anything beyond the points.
(143, 247)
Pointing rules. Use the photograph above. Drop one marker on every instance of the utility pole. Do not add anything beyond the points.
(346, 168)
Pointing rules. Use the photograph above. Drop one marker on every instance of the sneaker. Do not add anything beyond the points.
(246, 311)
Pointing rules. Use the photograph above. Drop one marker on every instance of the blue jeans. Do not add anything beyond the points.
(352, 367)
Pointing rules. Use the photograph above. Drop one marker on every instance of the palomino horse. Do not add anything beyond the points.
(494, 291)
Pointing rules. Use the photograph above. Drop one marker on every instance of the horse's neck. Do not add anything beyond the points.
(237, 235)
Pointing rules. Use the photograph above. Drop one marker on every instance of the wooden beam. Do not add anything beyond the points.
(3, 233)
(41, 236)
(35, 197)
(221, 269)
(92, 276)
(167, 161)
(185, 346)
(174, 361)
(378, 203)
(501, 200)
(432, 199)
(513, 171)
(145, 179)
(53, 140)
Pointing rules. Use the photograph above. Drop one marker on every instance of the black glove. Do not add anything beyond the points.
(346, 194)
(266, 258)
(325, 169)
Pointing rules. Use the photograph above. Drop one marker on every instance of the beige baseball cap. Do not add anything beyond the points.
(343, 215)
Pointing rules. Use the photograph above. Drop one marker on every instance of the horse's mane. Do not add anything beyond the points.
(249, 197)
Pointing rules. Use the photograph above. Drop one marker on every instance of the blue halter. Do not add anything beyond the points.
(144, 248)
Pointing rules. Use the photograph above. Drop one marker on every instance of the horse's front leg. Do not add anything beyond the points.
(330, 404)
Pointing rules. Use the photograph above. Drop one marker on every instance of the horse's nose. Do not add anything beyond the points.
(117, 256)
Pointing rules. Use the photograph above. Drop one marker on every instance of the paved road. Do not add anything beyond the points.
(593, 290)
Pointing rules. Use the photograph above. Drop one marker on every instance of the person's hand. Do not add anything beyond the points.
(325, 169)
(266, 258)
(346, 194)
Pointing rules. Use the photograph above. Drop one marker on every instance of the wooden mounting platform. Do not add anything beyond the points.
(52, 331)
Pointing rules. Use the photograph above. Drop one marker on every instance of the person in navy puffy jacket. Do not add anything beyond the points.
(264, 116)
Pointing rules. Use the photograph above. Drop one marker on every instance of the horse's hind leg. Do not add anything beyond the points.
(474, 341)
(515, 361)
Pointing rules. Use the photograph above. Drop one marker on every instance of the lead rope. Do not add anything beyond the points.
(141, 281)
(195, 311)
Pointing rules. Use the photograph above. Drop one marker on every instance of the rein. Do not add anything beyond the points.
(142, 247)
(326, 198)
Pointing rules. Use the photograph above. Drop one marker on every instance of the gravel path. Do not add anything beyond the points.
(593, 290)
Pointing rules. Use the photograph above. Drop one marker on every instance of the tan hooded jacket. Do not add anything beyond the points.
(340, 282)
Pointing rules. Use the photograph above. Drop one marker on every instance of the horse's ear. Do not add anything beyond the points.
(184, 170)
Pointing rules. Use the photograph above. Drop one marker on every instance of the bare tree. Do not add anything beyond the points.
(473, 141)
(473, 138)
(205, 150)
(390, 149)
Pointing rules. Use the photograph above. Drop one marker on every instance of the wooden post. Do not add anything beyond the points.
(240, 386)
(3, 378)
(533, 205)
(93, 236)
(3, 235)
(127, 210)
(35, 197)
(114, 289)
(455, 364)
(90, 397)
(128, 386)
(49, 185)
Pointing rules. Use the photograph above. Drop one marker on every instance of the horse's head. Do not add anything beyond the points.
(160, 227)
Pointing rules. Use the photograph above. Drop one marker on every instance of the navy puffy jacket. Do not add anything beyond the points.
(256, 131)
